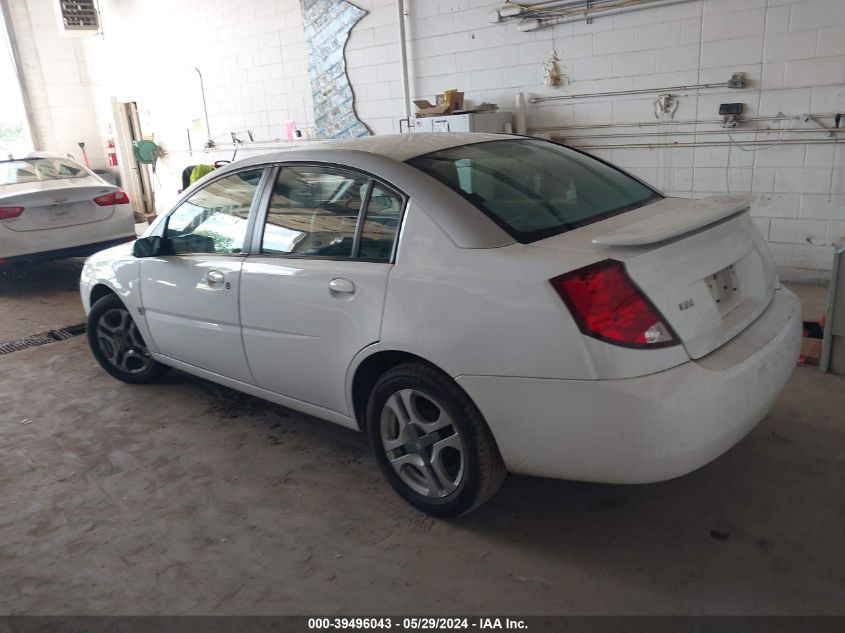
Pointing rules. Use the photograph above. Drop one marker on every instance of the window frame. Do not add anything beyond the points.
(372, 181)
(254, 210)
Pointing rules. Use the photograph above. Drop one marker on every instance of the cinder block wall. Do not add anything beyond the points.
(56, 75)
(792, 52)
(253, 58)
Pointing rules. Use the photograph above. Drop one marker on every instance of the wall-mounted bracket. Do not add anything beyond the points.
(808, 118)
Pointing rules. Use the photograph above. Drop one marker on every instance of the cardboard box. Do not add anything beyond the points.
(446, 103)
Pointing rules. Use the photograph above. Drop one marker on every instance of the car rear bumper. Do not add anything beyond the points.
(83, 250)
(644, 429)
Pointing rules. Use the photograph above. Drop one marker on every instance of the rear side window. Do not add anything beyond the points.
(329, 212)
(380, 225)
(534, 189)
(314, 211)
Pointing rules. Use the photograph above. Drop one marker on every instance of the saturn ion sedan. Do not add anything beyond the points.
(53, 207)
(476, 304)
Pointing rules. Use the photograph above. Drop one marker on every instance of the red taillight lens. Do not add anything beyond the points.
(608, 305)
(115, 197)
(7, 213)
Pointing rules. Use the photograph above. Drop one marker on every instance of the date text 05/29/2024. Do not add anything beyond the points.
(416, 624)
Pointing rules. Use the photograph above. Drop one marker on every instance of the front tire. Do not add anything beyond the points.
(431, 442)
(118, 345)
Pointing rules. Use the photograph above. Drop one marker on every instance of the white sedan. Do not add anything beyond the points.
(477, 304)
(53, 207)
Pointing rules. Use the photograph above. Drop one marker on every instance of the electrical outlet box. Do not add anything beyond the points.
(730, 108)
(737, 80)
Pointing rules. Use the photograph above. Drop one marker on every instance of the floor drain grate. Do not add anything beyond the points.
(44, 338)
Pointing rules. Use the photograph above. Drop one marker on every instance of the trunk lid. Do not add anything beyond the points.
(53, 204)
(702, 263)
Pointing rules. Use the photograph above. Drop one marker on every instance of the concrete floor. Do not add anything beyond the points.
(40, 298)
(190, 498)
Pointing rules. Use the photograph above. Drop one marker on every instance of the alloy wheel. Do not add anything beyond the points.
(121, 343)
(422, 443)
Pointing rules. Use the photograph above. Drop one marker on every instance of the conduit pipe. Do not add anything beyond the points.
(532, 24)
(735, 131)
(591, 126)
(638, 91)
(821, 141)
(209, 142)
(403, 61)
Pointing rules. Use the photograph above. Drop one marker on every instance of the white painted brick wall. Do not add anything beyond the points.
(62, 104)
(253, 57)
(792, 51)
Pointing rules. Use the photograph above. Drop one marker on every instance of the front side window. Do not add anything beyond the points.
(214, 219)
(534, 189)
(314, 212)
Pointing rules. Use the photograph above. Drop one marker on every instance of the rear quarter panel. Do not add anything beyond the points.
(493, 312)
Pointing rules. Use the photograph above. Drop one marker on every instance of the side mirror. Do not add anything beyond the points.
(151, 246)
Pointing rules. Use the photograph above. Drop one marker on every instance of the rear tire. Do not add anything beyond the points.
(431, 442)
(118, 345)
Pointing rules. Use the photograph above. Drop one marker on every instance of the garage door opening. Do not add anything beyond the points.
(15, 138)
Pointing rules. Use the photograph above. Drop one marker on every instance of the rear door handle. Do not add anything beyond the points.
(339, 284)
(215, 278)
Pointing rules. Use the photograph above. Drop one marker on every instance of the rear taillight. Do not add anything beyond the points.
(609, 306)
(115, 197)
(7, 213)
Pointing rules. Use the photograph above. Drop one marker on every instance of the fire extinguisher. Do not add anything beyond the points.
(111, 153)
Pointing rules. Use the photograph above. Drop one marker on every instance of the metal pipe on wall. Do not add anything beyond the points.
(554, 5)
(592, 126)
(735, 131)
(821, 141)
(638, 91)
(532, 24)
(208, 141)
(403, 60)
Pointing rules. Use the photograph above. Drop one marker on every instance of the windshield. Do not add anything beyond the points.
(14, 172)
(534, 189)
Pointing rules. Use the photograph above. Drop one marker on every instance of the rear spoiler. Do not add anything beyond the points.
(680, 216)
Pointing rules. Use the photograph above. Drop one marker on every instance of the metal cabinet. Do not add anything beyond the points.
(495, 122)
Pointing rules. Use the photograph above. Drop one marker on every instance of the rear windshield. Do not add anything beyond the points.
(14, 172)
(534, 189)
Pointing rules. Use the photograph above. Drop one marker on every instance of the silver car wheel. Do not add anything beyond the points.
(121, 343)
(422, 443)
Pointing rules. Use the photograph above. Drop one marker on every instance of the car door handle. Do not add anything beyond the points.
(215, 278)
(339, 284)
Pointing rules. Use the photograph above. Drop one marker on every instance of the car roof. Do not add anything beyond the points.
(385, 157)
(398, 147)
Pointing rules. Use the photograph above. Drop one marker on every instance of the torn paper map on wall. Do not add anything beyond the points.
(327, 27)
